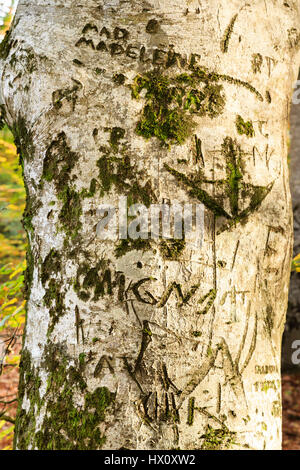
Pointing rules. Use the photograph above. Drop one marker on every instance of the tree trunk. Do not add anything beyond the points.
(292, 328)
(153, 344)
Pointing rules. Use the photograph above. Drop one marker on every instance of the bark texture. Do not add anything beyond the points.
(153, 345)
(292, 328)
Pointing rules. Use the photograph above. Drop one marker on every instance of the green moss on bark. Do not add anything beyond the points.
(244, 127)
(51, 266)
(29, 383)
(5, 45)
(128, 245)
(195, 190)
(170, 102)
(172, 250)
(25, 149)
(66, 425)
(232, 153)
(117, 134)
(51, 277)
(71, 212)
(23, 140)
(218, 439)
(59, 162)
(28, 274)
(118, 173)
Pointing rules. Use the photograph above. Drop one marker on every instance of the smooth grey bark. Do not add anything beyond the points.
(160, 345)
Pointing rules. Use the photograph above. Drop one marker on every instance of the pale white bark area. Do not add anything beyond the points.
(233, 369)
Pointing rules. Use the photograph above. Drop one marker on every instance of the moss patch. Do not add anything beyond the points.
(2, 116)
(51, 266)
(95, 279)
(29, 383)
(119, 79)
(51, 277)
(128, 245)
(66, 426)
(244, 127)
(25, 149)
(232, 153)
(218, 439)
(237, 190)
(117, 133)
(23, 139)
(5, 45)
(152, 26)
(71, 212)
(118, 173)
(60, 160)
(170, 102)
(172, 250)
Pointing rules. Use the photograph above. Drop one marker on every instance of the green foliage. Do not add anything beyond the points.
(12, 236)
(12, 305)
(296, 264)
(12, 200)
(12, 258)
(6, 14)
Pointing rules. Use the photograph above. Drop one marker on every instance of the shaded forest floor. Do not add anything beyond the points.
(290, 394)
(9, 381)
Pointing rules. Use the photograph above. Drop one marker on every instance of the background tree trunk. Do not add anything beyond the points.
(153, 345)
(292, 328)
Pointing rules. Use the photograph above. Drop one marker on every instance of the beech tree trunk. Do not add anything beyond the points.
(292, 328)
(153, 344)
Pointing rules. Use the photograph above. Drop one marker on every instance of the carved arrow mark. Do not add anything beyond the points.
(234, 187)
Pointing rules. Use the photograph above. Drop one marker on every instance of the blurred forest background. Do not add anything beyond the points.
(12, 305)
